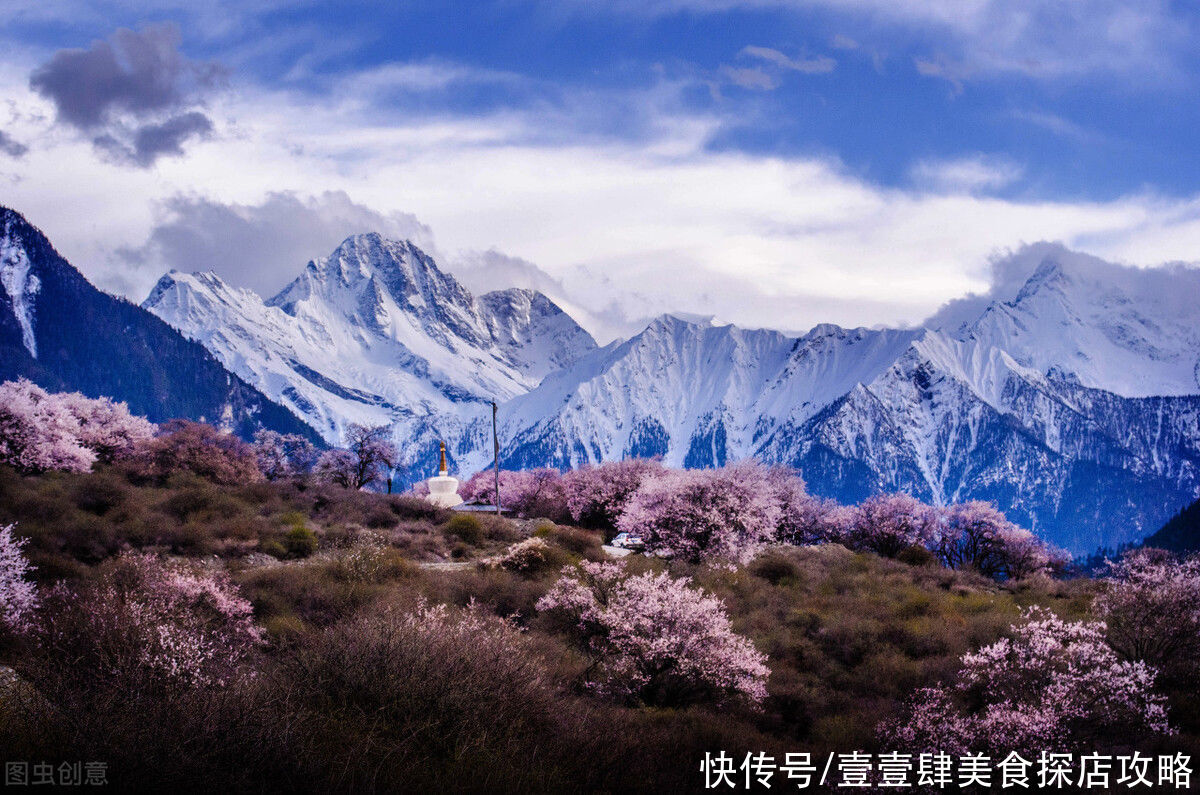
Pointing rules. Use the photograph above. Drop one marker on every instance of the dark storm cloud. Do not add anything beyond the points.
(10, 146)
(135, 93)
(260, 246)
(150, 141)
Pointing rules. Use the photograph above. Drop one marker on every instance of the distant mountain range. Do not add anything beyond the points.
(61, 332)
(1072, 401)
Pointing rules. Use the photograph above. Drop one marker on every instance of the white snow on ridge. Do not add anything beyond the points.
(376, 334)
(21, 285)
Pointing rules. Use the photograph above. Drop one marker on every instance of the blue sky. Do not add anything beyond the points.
(791, 156)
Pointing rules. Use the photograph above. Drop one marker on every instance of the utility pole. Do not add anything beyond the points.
(496, 450)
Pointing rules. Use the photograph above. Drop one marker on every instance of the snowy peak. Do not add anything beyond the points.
(533, 331)
(376, 333)
(1104, 326)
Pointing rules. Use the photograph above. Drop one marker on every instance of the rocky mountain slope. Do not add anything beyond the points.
(376, 333)
(1072, 401)
(61, 332)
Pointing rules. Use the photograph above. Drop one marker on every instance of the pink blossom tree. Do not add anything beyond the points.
(804, 519)
(196, 447)
(655, 639)
(373, 452)
(699, 515)
(148, 619)
(283, 455)
(1151, 605)
(1054, 686)
(529, 492)
(337, 466)
(975, 535)
(598, 493)
(39, 432)
(106, 427)
(18, 596)
(887, 524)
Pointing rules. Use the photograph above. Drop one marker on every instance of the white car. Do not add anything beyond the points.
(627, 541)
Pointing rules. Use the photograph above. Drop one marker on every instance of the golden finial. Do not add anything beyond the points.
(442, 446)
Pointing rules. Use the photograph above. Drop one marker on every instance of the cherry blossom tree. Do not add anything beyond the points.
(39, 432)
(530, 492)
(598, 493)
(1054, 686)
(975, 535)
(887, 524)
(337, 466)
(373, 453)
(106, 427)
(199, 448)
(18, 596)
(1151, 605)
(283, 455)
(655, 639)
(699, 515)
(147, 619)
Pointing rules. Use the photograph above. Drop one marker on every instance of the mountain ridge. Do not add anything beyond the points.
(64, 334)
(1069, 400)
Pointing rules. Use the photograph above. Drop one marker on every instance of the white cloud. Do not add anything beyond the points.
(820, 65)
(629, 227)
(1043, 39)
(969, 174)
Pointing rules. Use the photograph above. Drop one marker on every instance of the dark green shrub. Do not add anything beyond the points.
(465, 528)
(774, 568)
(100, 493)
(300, 542)
(916, 555)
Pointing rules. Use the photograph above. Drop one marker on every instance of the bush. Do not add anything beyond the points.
(440, 687)
(300, 542)
(466, 528)
(528, 558)
(774, 568)
(145, 620)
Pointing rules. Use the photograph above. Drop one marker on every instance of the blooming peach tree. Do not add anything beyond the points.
(1151, 606)
(18, 596)
(38, 432)
(702, 515)
(1054, 686)
(527, 492)
(146, 619)
(887, 524)
(598, 493)
(654, 638)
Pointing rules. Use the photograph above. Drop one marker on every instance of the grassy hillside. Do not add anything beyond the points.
(343, 700)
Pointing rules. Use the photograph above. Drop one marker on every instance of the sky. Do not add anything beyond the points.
(769, 163)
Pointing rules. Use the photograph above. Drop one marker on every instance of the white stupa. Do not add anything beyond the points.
(443, 489)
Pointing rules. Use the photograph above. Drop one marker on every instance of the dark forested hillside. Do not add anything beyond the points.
(64, 334)
(1181, 533)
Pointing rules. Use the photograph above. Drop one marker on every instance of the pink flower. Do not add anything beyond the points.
(656, 639)
(18, 596)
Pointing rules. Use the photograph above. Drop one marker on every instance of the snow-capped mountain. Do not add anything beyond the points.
(60, 332)
(1070, 399)
(377, 333)
(1073, 404)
